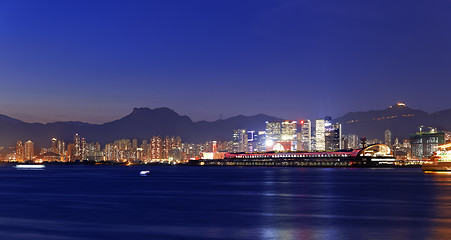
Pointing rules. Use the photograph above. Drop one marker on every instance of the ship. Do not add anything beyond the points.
(440, 161)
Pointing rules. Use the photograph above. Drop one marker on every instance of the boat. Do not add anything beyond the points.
(30, 166)
(440, 161)
(144, 173)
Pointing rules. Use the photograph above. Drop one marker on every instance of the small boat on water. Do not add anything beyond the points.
(440, 161)
(144, 173)
(30, 166)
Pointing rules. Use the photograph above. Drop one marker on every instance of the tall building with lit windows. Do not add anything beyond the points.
(61, 147)
(166, 147)
(135, 143)
(305, 136)
(320, 135)
(273, 130)
(281, 135)
(328, 135)
(77, 146)
(388, 138)
(289, 129)
(28, 150)
(353, 141)
(240, 140)
(83, 149)
(54, 145)
(424, 144)
(19, 151)
(333, 139)
(156, 148)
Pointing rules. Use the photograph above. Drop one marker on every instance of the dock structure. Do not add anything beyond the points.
(370, 156)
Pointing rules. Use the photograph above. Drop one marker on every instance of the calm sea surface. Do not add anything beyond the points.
(115, 202)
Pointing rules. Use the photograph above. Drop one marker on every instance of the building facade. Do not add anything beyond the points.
(240, 140)
(424, 144)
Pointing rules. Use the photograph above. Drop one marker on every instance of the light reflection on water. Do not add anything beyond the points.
(442, 210)
(110, 202)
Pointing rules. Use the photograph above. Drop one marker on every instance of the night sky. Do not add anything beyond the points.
(95, 60)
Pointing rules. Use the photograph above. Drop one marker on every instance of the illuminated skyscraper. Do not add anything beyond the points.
(240, 140)
(19, 151)
(320, 131)
(424, 144)
(146, 151)
(327, 134)
(167, 146)
(77, 146)
(289, 129)
(282, 134)
(215, 146)
(175, 150)
(61, 147)
(28, 150)
(251, 141)
(273, 130)
(134, 143)
(353, 141)
(54, 145)
(305, 139)
(261, 141)
(83, 149)
(388, 138)
(156, 148)
(333, 137)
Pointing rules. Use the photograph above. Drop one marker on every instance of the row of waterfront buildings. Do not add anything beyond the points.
(157, 149)
(294, 136)
(283, 136)
(278, 136)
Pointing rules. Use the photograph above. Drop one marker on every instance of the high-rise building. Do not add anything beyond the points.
(388, 138)
(305, 139)
(70, 152)
(333, 140)
(281, 135)
(328, 135)
(320, 134)
(215, 146)
(166, 147)
(256, 141)
(156, 148)
(135, 143)
(83, 149)
(273, 130)
(77, 146)
(240, 140)
(261, 141)
(172, 148)
(289, 129)
(19, 151)
(424, 144)
(61, 147)
(353, 141)
(54, 145)
(251, 141)
(28, 150)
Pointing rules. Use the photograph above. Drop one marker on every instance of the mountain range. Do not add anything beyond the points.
(401, 120)
(143, 123)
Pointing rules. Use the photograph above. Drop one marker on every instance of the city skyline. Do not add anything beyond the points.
(94, 61)
(225, 119)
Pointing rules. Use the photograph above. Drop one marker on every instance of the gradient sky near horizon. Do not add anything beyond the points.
(94, 61)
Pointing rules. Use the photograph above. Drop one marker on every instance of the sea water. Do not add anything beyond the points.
(117, 202)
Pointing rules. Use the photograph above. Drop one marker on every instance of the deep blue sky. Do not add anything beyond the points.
(96, 60)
